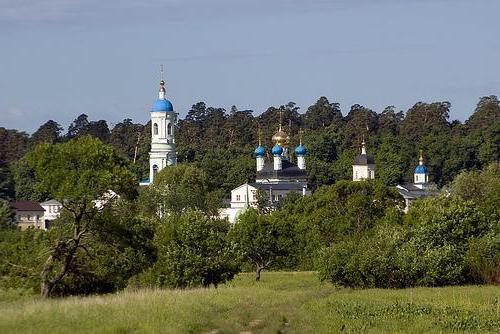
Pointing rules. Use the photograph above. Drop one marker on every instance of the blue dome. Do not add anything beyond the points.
(260, 151)
(421, 169)
(300, 150)
(162, 105)
(277, 150)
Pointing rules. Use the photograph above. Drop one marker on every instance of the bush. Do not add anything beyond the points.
(193, 250)
(483, 258)
(429, 249)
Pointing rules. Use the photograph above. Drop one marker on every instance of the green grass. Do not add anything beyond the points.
(280, 303)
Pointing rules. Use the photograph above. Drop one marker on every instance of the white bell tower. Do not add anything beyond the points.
(163, 119)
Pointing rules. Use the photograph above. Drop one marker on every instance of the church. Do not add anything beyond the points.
(276, 176)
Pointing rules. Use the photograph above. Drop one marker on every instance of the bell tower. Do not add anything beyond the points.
(163, 118)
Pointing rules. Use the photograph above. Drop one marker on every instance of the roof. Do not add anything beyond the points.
(51, 202)
(278, 186)
(409, 190)
(26, 206)
(288, 171)
(162, 105)
(364, 159)
(421, 169)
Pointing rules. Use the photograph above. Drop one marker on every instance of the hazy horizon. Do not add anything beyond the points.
(60, 59)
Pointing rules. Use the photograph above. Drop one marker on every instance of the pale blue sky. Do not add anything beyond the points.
(61, 58)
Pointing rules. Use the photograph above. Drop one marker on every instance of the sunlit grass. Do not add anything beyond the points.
(281, 302)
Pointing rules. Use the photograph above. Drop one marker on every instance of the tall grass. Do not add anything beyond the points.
(280, 303)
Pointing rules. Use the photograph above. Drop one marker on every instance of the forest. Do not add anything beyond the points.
(353, 234)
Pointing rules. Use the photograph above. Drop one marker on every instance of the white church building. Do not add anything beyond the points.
(276, 175)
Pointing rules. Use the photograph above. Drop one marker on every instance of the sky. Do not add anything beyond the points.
(62, 58)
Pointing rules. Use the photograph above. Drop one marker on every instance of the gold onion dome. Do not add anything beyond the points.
(281, 138)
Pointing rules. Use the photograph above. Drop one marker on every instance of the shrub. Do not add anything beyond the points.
(193, 250)
(483, 258)
(429, 249)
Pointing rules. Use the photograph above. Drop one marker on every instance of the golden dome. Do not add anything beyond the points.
(281, 138)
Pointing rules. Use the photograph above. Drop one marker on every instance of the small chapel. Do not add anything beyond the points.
(421, 187)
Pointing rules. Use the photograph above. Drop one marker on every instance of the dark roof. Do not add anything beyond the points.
(288, 171)
(409, 190)
(278, 186)
(364, 159)
(411, 187)
(26, 206)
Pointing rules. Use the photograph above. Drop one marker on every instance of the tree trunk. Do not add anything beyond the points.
(65, 251)
(46, 289)
(257, 273)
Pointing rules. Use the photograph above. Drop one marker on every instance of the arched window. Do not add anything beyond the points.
(155, 170)
(155, 129)
(169, 129)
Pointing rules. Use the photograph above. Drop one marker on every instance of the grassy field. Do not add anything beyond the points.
(280, 303)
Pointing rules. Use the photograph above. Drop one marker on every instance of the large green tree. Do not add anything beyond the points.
(80, 174)
(262, 240)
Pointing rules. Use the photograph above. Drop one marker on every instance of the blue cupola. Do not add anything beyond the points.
(421, 175)
(421, 169)
(300, 150)
(260, 151)
(162, 104)
(277, 150)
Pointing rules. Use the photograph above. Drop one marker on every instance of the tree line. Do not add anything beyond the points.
(221, 142)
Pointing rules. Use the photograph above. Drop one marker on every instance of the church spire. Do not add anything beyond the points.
(421, 159)
(161, 93)
(363, 146)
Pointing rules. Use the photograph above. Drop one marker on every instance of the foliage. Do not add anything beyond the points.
(21, 253)
(6, 215)
(483, 188)
(428, 249)
(79, 174)
(193, 250)
(262, 240)
(483, 258)
(49, 132)
(25, 184)
(178, 188)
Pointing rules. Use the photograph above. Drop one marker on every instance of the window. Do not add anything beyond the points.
(238, 198)
(155, 170)
(169, 129)
(356, 175)
(29, 217)
(155, 129)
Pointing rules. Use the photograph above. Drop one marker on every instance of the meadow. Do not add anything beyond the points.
(282, 302)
